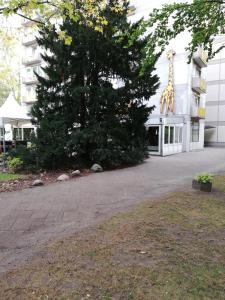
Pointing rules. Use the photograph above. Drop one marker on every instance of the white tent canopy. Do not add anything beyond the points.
(13, 113)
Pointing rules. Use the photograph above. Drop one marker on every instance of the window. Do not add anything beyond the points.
(195, 131)
(171, 134)
(28, 88)
(17, 134)
(197, 99)
(28, 70)
(178, 136)
(166, 135)
(198, 71)
(27, 133)
(1, 132)
(177, 130)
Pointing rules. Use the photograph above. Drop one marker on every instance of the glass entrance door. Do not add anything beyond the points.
(154, 136)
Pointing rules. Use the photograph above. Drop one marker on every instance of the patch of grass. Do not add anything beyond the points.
(8, 176)
(170, 249)
(219, 183)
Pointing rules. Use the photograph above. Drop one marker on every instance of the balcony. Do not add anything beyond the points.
(32, 59)
(29, 39)
(200, 58)
(29, 98)
(198, 112)
(199, 85)
(31, 79)
(201, 112)
(131, 10)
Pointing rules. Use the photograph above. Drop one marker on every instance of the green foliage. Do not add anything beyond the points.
(27, 155)
(9, 65)
(81, 115)
(8, 177)
(204, 178)
(14, 164)
(204, 19)
(44, 13)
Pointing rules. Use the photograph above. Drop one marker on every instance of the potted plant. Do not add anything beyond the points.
(203, 182)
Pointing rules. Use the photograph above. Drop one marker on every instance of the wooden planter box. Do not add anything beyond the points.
(204, 187)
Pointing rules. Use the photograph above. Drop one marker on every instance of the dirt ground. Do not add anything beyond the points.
(169, 249)
(26, 180)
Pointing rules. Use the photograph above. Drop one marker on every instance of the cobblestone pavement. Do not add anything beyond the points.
(34, 216)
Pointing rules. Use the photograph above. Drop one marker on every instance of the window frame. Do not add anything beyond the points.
(195, 128)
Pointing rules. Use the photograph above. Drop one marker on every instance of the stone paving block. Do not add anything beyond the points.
(39, 214)
(70, 216)
(36, 224)
(21, 224)
(8, 239)
(7, 222)
(54, 217)
(20, 213)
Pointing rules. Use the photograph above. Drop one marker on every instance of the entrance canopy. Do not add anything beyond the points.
(13, 113)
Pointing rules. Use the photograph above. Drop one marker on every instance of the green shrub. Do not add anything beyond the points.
(14, 164)
(204, 178)
(28, 155)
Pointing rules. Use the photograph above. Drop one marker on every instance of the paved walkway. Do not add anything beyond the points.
(31, 217)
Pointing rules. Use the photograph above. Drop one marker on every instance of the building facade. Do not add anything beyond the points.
(177, 123)
(215, 104)
(31, 64)
(179, 128)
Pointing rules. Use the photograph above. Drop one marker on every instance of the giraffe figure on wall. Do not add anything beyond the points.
(167, 99)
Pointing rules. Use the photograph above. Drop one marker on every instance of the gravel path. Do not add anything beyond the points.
(32, 217)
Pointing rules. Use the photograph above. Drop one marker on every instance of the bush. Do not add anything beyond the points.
(27, 155)
(14, 164)
(204, 178)
(111, 149)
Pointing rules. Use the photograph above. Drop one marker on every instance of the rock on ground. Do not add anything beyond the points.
(76, 173)
(37, 182)
(96, 168)
(63, 177)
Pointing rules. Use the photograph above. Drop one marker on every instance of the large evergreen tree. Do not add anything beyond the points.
(90, 104)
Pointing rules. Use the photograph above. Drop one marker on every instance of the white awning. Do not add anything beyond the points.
(13, 113)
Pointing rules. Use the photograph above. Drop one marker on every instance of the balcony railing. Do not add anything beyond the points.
(198, 112)
(32, 59)
(29, 39)
(131, 10)
(29, 98)
(29, 79)
(201, 112)
(200, 57)
(199, 85)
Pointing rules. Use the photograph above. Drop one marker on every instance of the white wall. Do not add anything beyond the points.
(215, 104)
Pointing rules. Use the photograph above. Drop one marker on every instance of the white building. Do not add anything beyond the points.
(31, 62)
(215, 104)
(182, 129)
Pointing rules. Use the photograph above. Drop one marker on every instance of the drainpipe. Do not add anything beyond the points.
(162, 136)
